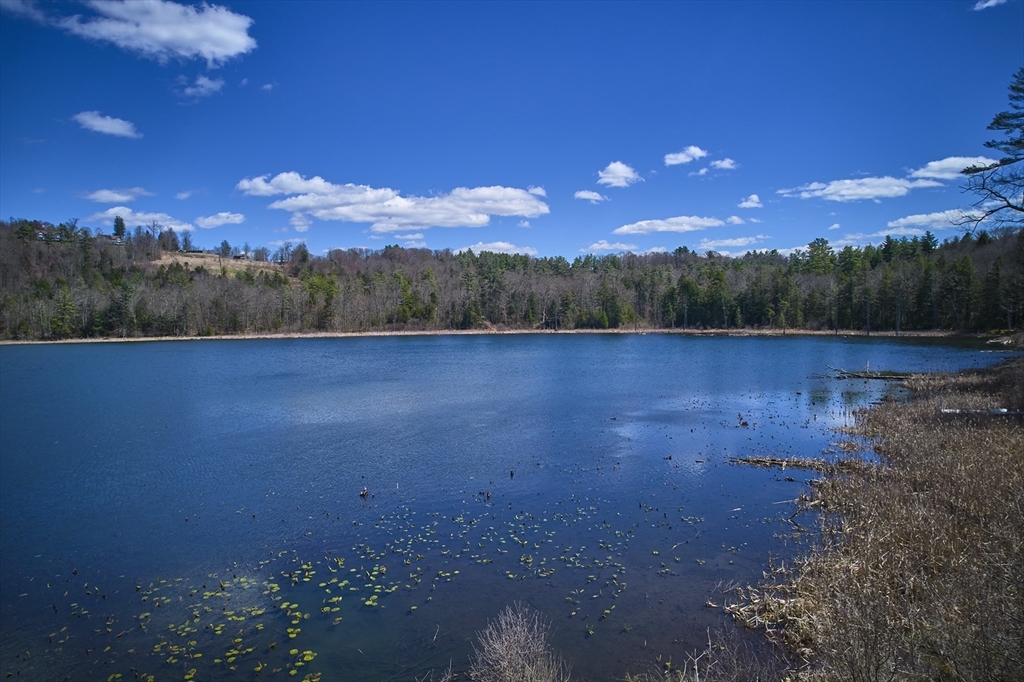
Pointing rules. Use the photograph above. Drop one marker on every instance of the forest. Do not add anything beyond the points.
(65, 282)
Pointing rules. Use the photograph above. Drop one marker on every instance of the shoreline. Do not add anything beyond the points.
(899, 545)
(934, 334)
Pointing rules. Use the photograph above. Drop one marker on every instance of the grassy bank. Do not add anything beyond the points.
(919, 570)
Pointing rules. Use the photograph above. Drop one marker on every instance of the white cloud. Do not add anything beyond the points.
(183, 195)
(656, 249)
(537, 191)
(300, 222)
(117, 196)
(734, 220)
(985, 4)
(499, 247)
(689, 154)
(940, 220)
(592, 197)
(267, 86)
(678, 224)
(702, 171)
(222, 218)
(108, 125)
(859, 189)
(386, 210)
(417, 244)
(523, 223)
(414, 237)
(834, 226)
(715, 244)
(23, 8)
(136, 218)
(753, 201)
(950, 167)
(603, 245)
(724, 164)
(617, 174)
(859, 238)
(162, 30)
(203, 87)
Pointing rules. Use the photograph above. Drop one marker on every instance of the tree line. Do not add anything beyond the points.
(61, 282)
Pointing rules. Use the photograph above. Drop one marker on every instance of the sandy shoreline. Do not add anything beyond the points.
(477, 332)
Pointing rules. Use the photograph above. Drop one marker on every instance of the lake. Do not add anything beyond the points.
(193, 509)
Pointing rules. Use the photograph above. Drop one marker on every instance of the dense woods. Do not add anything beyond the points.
(61, 281)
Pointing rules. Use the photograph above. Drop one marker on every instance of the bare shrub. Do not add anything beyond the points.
(515, 648)
(727, 658)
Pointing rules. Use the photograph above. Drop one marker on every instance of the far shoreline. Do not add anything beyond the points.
(889, 334)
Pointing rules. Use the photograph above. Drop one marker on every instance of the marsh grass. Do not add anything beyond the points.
(919, 571)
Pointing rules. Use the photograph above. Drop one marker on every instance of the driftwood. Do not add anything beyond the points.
(814, 464)
(884, 375)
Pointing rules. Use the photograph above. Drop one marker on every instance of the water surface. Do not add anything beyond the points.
(172, 507)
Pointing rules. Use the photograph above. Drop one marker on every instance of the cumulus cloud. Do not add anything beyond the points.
(681, 223)
(499, 247)
(950, 167)
(592, 197)
(691, 153)
(985, 4)
(415, 236)
(537, 191)
(604, 245)
(724, 164)
(388, 211)
(738, 242)
(137, 218)
(859, 189)
(734, 220)
(834, 226)
(939, 220)
(203, 87)
(162, 30)
(523, 223)
(183, 195)
(117, 196)
(108, 125)
(753, 201)
(617, 174)
(222, 218)
(702, 171)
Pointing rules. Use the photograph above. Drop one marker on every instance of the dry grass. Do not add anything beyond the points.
(515, 648)
(214, 263)
(920, 570)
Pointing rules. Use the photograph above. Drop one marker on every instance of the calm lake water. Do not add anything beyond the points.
(192, 510)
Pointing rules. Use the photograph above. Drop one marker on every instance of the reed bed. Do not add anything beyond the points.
(919, 570)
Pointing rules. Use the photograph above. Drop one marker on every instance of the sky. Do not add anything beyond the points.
(548, 128)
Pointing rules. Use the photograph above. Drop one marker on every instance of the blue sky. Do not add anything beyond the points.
(540, 128)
